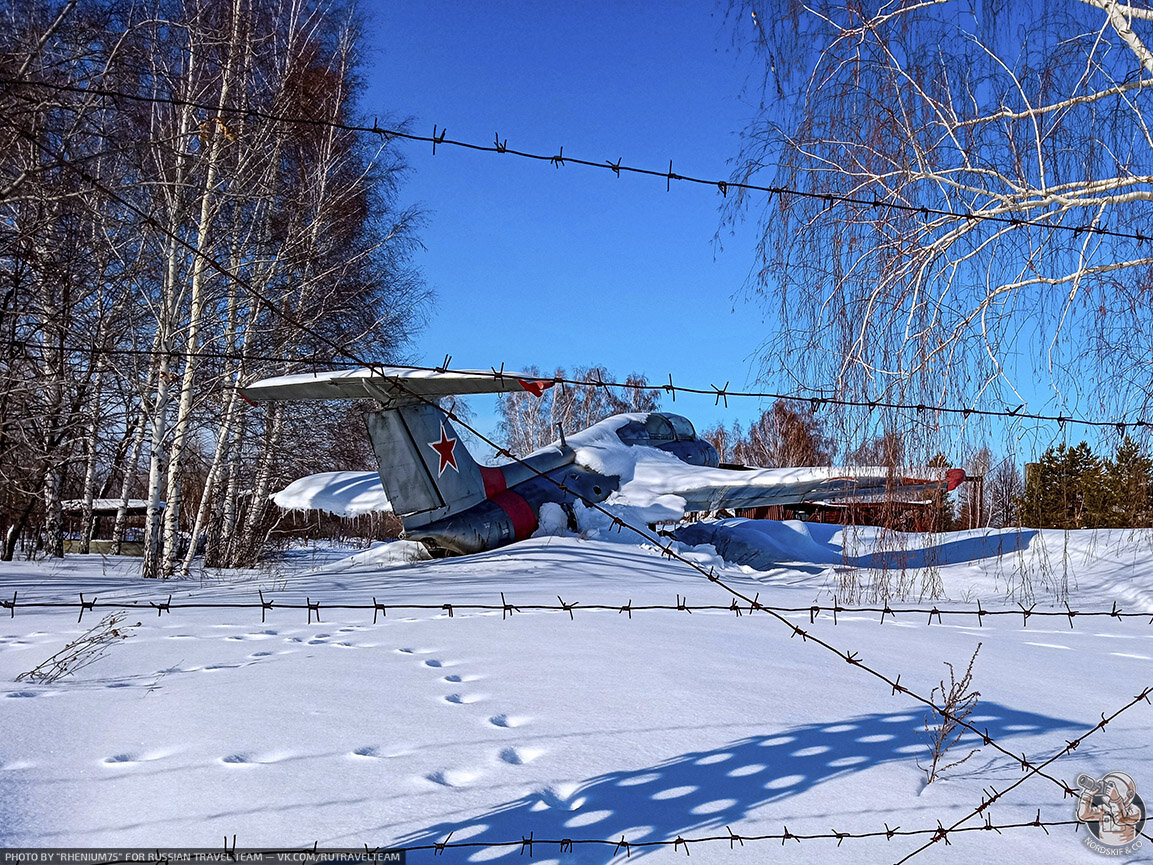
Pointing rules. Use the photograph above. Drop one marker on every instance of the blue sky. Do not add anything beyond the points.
(569, 266)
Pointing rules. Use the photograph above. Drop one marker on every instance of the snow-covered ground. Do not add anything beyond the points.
(207, 723)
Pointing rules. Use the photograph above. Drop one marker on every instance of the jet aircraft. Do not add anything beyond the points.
(455, 506)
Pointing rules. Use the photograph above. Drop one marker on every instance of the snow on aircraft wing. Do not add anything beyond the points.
(392, 384)
(769, 489)
(710, 489)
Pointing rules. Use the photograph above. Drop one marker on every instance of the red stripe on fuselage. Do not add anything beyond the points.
(494, 481)
(518, 510)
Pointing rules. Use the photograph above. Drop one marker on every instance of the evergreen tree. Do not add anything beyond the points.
(1065, 489)
(1128, 493)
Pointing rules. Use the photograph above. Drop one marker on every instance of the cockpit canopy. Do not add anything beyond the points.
(672, 433)
(657, 428)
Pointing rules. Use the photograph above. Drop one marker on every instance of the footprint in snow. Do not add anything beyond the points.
(519, 756)
(508, 721)
(22, 694)
(259, 635)
(457, 678)
(246, 758)
(130, 758)
(464, 699)
(380, 752)
(243, 758)
(453, 777)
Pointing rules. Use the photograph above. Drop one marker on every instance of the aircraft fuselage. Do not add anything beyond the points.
(515, 493)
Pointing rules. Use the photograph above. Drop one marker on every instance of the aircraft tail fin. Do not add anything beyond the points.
(426, 470)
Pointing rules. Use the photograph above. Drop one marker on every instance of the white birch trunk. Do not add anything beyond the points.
(208, 210)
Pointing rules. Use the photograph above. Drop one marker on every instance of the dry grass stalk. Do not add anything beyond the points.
(943, 724)
(85, 650)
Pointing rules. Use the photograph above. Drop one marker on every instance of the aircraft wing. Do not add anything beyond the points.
(708, 489)
(394, 385)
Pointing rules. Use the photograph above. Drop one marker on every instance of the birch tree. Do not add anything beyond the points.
(999, 159)
(529, 422)
(181, 210)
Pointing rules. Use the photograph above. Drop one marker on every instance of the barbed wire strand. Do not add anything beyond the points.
(500, 146)
(233, 852)
(527, 842)
(814, 400)
(508, 607)
(558, 160)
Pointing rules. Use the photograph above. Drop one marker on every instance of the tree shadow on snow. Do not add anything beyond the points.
(705, 790)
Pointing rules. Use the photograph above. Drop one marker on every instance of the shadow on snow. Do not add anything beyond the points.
(766, 544)
(706, 790)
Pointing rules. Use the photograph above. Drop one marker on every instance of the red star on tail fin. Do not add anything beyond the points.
(445, 450)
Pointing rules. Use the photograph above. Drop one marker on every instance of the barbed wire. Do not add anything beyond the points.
(179, 353)
(233, 852)
(527, 842)
(785, 835)
(814, 400)
(500, 146)
(850, 657)
(507, 608)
